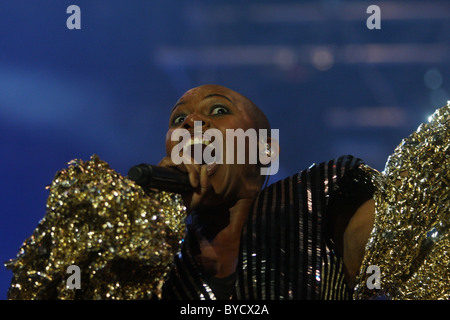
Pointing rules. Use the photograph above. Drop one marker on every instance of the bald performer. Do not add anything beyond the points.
(303, 237)
(248, 242)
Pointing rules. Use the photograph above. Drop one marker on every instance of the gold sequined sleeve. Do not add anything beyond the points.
(121, 239)
(408, 253)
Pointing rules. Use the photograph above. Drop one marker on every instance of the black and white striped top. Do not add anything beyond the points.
(286, 252)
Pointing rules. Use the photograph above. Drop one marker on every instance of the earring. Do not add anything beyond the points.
(268, 151)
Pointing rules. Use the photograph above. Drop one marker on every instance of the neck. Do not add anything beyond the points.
(218, 232)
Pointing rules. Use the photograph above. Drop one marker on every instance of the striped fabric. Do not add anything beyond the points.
(284, 253)
(185, 281)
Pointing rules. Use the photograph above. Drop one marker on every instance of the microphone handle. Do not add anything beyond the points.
(161, 178)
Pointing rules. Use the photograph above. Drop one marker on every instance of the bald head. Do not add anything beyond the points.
(233, 117)
(234, 97)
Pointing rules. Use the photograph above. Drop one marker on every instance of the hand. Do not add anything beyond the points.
(198, 178)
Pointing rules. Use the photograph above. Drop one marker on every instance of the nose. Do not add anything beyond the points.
(192, 118)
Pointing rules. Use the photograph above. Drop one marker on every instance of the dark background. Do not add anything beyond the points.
(328, 83)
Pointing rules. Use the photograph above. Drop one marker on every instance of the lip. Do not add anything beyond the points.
(195, 140)
(211, 168)
(204, 140)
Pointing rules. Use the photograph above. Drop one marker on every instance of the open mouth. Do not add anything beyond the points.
(195, 150)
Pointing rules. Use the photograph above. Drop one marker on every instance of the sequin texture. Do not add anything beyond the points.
(410, 242)
(122, 239)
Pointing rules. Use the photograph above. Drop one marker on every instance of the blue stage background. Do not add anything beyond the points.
(327, 82)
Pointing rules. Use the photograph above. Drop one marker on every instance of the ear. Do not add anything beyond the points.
(269, 150)
(274, 148)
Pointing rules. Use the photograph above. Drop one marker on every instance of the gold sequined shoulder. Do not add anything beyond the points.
(121, 238)
(410, 242)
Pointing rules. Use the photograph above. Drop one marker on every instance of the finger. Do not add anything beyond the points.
(193, 175)
(204, 191)
(205, 183)
(167, 162)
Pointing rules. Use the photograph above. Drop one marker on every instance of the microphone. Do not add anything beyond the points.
(161, 178)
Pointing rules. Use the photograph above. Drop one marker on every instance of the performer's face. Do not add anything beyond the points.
(219, 108)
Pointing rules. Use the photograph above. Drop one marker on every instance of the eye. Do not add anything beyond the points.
(179, 119)
(219, 109)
